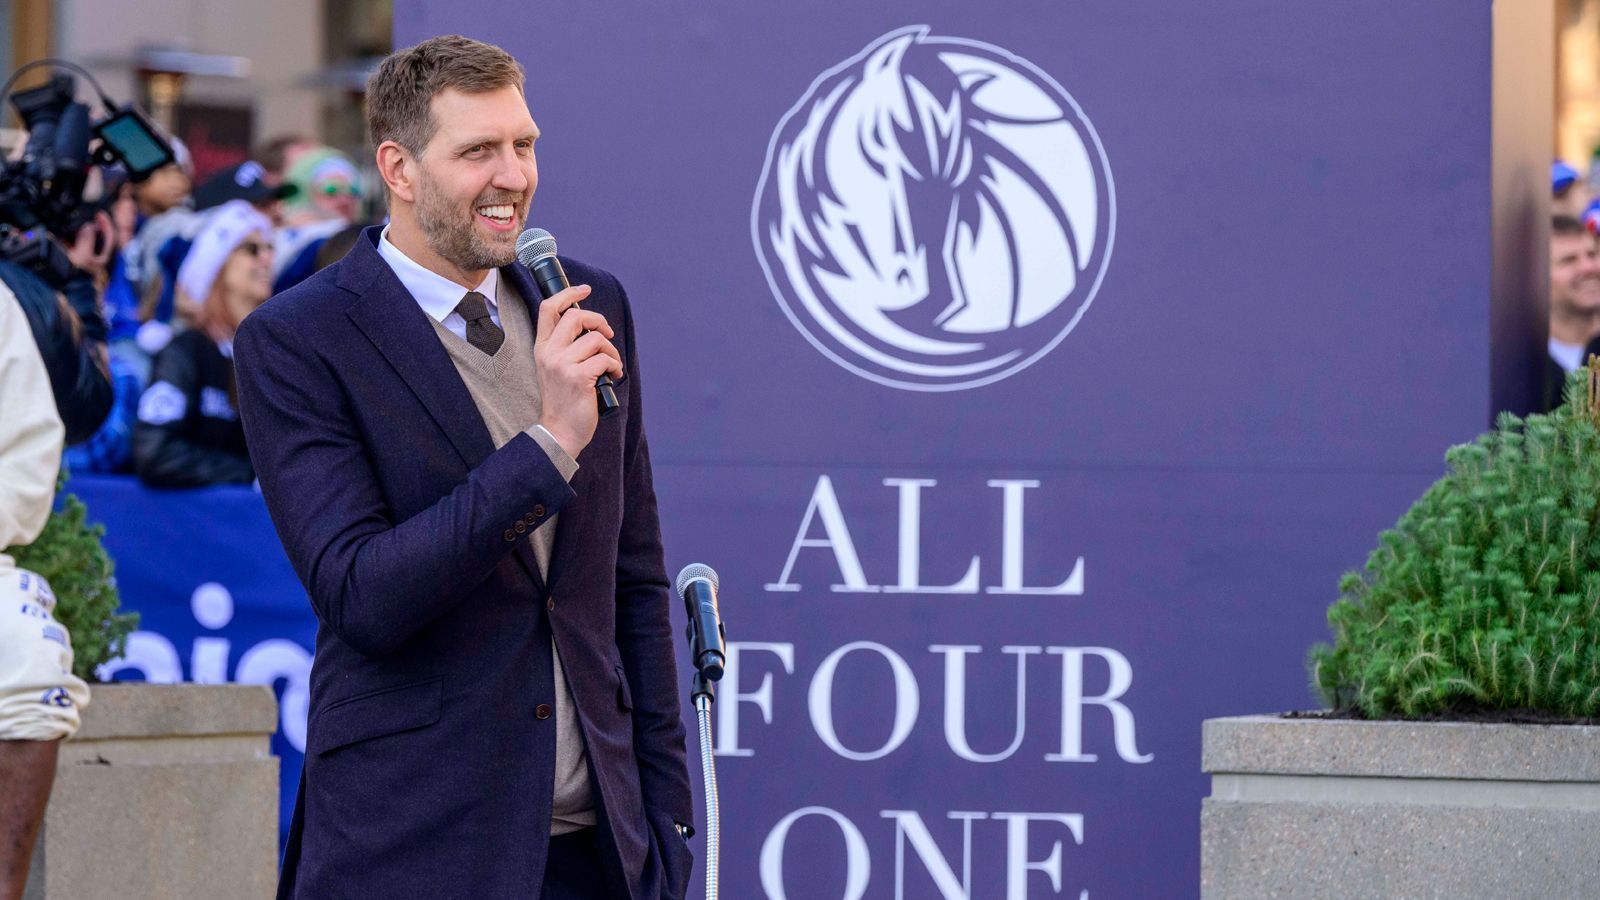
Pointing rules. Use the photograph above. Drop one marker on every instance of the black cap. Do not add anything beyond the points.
(246, 181)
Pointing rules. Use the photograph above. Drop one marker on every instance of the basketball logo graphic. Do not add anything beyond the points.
(935, 213)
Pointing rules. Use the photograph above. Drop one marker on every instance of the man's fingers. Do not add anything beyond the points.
(590, 344)
(551, 309)
(574, 322)
(601, 364)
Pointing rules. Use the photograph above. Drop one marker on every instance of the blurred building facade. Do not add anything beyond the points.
(223, 74)
(1577, 81)
(304, 62)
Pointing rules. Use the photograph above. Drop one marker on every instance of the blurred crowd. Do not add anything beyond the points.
(183, 264)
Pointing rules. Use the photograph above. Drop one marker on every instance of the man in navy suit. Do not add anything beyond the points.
(494, 704)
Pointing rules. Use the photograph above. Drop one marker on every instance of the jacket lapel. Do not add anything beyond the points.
(388, 315)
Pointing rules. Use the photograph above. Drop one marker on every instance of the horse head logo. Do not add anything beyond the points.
(935, 213)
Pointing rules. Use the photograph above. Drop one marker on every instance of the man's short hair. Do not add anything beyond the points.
(1567, 225)
(399, 93)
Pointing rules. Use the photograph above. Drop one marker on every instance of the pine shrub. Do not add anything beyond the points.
(70, 556)
(1486, 594)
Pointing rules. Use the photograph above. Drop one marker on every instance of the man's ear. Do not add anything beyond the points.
(397, 168)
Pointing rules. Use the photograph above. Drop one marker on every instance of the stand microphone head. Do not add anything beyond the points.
(697, 571)
(697, 585)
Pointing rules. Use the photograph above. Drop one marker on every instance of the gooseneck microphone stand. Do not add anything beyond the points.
(704, 696)
(697, 585)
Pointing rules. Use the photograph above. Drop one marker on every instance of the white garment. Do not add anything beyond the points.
(39, 695)
(30, 431)
(1568, 356)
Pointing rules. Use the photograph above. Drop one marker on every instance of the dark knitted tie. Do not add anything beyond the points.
(482, 332)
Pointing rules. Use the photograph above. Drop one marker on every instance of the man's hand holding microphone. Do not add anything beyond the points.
(572, 350)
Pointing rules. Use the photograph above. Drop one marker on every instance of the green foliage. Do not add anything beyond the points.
(1486, 594)
(69, 555)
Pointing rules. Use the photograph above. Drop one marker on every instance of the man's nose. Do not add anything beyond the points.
(509, 175)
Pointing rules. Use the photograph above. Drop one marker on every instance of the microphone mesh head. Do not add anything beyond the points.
(533, 245)
(695, 571)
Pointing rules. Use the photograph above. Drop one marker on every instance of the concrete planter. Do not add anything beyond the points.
(1339, 808)
(168, 790)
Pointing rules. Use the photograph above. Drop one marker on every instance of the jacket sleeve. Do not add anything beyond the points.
(163, 453)
(30, 430)
(644, 625)
(373, 581)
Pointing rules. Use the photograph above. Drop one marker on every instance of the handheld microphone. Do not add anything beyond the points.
(536, 250)
(697, 585)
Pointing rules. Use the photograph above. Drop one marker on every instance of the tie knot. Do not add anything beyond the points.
(473, 306)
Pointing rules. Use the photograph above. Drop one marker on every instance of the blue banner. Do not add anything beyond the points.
(216, 597)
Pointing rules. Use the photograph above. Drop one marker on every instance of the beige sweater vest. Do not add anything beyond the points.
(505, 388)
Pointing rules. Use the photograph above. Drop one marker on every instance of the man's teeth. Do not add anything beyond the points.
(497, 212)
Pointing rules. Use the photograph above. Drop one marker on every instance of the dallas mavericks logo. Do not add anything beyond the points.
(935, 213)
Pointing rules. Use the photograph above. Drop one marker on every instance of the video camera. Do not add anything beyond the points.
(42, 199)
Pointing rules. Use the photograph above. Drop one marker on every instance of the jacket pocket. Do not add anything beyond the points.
(389, 710)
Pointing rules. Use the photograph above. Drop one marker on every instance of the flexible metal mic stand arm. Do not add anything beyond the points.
(704, 696)
(697, 585)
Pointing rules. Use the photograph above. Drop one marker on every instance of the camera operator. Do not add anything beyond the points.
(70, 330)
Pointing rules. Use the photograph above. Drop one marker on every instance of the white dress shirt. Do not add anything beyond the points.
(437, 295)
(1568, 356)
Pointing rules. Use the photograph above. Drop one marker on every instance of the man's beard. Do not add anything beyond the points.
(458, 240)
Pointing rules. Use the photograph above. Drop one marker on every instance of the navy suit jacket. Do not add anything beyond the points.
(429, 769)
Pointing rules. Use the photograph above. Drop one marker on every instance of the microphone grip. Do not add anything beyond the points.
(705, 629)
(551, 280)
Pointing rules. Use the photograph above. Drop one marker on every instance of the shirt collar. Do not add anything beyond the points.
(437, 295)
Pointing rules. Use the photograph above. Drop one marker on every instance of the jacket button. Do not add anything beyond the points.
(520, 527)
(538, 511)
(510, 535)
(550, 604)
(542, 711)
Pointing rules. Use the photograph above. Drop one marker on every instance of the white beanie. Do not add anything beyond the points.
(224, 230)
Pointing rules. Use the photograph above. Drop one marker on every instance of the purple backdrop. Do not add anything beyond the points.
(1292, 326)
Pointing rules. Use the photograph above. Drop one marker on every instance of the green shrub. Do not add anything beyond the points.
(70, 556)
(1486, 594)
